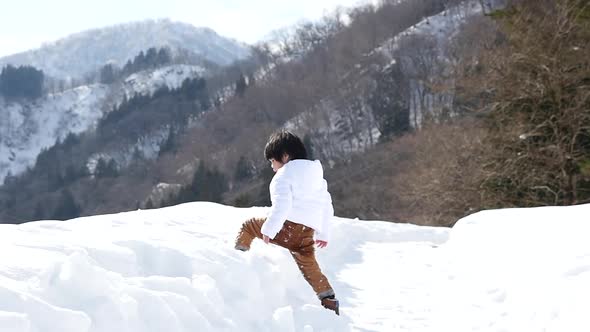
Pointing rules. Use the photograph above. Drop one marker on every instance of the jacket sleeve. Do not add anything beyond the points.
(328, 213)
(281, 197)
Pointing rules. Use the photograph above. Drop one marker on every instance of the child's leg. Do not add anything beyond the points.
(305, 258)
(250, 230)
(288, 237)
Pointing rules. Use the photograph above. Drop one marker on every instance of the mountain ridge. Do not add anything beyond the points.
(86, 51)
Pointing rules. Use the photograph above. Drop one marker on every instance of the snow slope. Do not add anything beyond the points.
(175, 269)
(148, 81)
(26, 128)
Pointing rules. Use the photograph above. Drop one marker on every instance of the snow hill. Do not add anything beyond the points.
(175, 269)
(84, 52)
(26, 128)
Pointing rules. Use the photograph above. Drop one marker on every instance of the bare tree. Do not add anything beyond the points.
(540, 116)
(421, 61)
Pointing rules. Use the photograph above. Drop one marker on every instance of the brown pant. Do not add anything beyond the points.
(298, 239)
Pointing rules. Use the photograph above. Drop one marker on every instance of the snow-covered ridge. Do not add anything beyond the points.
(175, 269)
(147, 82)
(29, 127)
(87, 51)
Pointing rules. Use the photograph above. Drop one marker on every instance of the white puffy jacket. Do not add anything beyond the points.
(299, 193)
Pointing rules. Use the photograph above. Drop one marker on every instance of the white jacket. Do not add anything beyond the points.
(300, 194)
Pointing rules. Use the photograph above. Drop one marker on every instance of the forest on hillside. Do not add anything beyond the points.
(421, 127)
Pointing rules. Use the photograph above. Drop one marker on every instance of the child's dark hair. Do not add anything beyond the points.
(284, 142)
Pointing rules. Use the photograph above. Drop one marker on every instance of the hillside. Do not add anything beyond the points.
(328, 81)
(416, 109)
(29, 127)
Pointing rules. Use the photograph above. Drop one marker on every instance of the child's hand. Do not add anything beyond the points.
(266, 239)
(321, 244)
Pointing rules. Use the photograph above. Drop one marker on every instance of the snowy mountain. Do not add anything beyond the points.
(28, 128)
(87, 51)
(432, 37)
(175, 269)
(347, 126)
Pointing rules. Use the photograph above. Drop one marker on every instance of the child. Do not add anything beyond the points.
(301, 207)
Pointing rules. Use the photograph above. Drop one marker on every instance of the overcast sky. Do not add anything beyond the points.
(26, 24)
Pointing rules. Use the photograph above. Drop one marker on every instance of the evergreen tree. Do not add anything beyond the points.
(161, 92)
(241, 85)
(71, 174)
(390, 102)
(39, 213)
(100, 169)
(170, 144)
(21, 82)
(112, 169)
(243, 200)
(128, 68)
(185, 195)
(139, 62)
(203, 95)
(243, 169)
(164, 56)
(215, 186)
(151, 58)
(70, 141)
(309, 147)
(108, 74)
(264, 195)
(251, 80)
(208, 185)
(9, 179)
(106, 168)
(66, 207)
(149, 204)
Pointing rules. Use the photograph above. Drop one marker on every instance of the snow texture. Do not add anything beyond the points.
(175, 269)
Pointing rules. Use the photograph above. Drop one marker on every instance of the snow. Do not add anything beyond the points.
(436, 31)
(531, 266)
(148, 81)
(337, 128)
(29, 127)
(441, 27)
(26, 128)
(147, 145)
(175, 269)
(345, 127)
(81, 53)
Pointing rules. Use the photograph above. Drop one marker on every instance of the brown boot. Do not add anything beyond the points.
(331, 303)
